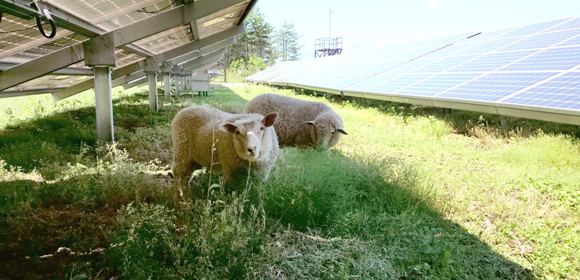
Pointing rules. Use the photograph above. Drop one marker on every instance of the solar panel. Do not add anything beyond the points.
(392, 84)
(489, 45)
(340, 81)
(490, 61)
(412, 66)
(572, 23)
(575, 41)
(533, 28)
(555, 59)
(561, 92)
(541, 40)
(444, 64)
(435, 84)
(494, 86)
(534, 65)
(21, 42)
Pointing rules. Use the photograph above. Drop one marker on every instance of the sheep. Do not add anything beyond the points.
(238, 141)
(294, 118)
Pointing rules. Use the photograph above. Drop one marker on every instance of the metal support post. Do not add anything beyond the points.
(183, 84)
(151, 68)
(188, 81)
(167, 85)
(166, 69)
(104, 104)
(225, 74)
(99, 53)
(153, 100)
(177, 87)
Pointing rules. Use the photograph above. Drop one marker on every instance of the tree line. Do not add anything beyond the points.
(263, 44)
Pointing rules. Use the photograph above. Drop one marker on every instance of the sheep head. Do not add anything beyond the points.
(251, 135)
(326, 130)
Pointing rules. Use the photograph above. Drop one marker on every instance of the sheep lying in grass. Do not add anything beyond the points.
(238, 141)
(300, 123)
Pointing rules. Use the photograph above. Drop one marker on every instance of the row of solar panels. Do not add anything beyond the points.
(531, 71)
(172, 31)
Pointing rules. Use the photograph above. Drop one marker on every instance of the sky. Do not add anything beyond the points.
(388, 21)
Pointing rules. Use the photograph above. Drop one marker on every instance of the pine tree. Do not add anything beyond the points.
(287, 42)
(255, 41)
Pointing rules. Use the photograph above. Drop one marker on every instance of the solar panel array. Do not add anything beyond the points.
(531, 71)
(21, 41)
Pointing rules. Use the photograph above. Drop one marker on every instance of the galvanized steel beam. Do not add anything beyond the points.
(203, 60)
(205, 42)
(153, 99)
(62, 19)
(125, 35)
(88, 84)
(186, 52)
(167, 85)
(71, 71)
(14, 93)
(203, 52)
(104, 104)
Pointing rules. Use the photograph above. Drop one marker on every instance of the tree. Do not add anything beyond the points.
(286, 42)
(258, 35)
(256, 41)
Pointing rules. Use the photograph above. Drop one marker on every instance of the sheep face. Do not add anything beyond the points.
(326, 131)
(251, 136)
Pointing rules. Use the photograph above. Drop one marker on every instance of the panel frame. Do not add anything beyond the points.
(123, 36)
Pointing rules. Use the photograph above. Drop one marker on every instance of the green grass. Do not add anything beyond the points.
(410, 193)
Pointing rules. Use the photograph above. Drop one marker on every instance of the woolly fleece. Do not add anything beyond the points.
(195, 128)
(300, 123)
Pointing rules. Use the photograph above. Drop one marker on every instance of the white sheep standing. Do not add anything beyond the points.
(238, 141)
(300, 123)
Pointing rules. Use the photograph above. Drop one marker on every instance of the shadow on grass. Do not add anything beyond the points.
(387, 227)
(59, 138)
(31, 235)
(49, 229)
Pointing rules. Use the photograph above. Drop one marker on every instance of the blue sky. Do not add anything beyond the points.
(404, 20)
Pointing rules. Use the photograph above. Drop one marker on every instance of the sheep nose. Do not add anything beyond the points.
(251, 150)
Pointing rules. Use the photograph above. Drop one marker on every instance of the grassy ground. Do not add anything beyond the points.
(410, 193)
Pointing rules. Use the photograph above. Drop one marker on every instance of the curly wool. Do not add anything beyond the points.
(196, 130)
(300, 123)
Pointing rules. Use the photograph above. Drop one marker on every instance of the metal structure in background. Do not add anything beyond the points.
(531, 71)
(106, 43)
(327, 47)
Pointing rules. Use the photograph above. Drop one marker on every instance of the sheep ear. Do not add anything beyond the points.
(228, 127)
(342, 131)
(309, 122)
(270, 119)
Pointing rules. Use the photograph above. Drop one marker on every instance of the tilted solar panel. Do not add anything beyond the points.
(555, 59)
(534, 28)
(444, 64)
(489, 45)
(494, 86)
(541, 40)
(435, 84)
(530, 71)
(574, 23)
(562, 92)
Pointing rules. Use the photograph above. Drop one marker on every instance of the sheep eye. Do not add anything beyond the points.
(237, 132)
(262, 128)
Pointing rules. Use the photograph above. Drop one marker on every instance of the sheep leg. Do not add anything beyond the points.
(237, 180)
(182, 170)
(233, 178)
